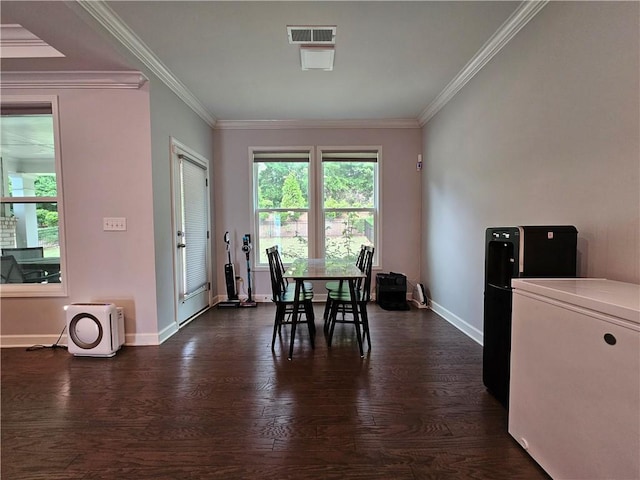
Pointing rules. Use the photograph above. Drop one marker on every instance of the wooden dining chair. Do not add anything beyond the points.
(335, 285)
(308, 286)
(341, 301)
(283, 296)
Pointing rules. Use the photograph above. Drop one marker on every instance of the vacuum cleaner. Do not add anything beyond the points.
(246, 248)
(230, 279)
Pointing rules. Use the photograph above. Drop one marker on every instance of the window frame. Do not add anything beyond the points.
(38, 289)
(255, 211)
(316, 212)
(369, 150)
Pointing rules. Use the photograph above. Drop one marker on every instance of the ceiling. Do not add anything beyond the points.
(392, 58)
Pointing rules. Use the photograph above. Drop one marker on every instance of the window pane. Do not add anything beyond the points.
(282, 184)
(288, 230)
(346, 231)
(29, 233)
(349, 184)
(27, 154)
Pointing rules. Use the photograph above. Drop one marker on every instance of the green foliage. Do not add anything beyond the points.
(46, 218)
(45, 186)
(292, 195)
(46, 213)
(348, 184)
(271, 180)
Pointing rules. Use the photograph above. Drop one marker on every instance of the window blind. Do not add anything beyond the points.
(194, 220)
(355, 156)
(280, 156)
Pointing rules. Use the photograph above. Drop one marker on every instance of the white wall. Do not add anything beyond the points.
(546, 133)
(400, 191)
(106, 163)
(171, 117)
(116, 163)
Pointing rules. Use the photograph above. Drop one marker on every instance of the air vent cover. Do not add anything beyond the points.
(311, 35)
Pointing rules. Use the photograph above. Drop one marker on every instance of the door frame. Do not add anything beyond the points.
(177, 147)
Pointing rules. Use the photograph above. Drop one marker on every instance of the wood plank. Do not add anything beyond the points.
(214, 402)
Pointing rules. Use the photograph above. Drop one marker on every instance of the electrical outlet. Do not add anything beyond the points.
(111, 224)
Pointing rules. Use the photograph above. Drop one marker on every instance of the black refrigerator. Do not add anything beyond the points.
(512, 252)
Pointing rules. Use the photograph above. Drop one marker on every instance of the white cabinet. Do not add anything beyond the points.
(575, 376)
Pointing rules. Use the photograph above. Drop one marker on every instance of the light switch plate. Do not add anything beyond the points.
(111, 224)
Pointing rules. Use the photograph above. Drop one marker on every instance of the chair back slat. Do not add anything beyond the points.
(280, 264)
(367, 269)
(360, 259)
(276, 287)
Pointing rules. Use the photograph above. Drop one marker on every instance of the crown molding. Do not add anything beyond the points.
(72, 79)
(106, 17)
(518, 19)
(314, 124)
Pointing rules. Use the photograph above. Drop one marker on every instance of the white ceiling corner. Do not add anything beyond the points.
(100, 11)
(114, 24)
(315, 124)
(525, 12)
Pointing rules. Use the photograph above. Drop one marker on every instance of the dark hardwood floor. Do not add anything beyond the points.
(214, 402)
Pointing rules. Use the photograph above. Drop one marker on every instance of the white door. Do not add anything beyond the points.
(191, 230)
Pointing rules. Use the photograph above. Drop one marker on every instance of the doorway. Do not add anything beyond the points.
(191, 232)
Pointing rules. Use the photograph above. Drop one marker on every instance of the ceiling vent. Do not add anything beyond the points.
(311, 35)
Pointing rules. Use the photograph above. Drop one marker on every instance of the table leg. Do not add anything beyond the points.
(294, 318)
(356, 319)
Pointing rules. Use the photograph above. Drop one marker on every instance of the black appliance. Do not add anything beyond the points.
(391, 291)
(229, 278)
(510, 252)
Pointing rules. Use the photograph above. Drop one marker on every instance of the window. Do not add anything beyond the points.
(30, 197)
(281, 203)
(349, 201)
(325, 205)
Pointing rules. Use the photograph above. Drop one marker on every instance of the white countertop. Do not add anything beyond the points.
(614, 298)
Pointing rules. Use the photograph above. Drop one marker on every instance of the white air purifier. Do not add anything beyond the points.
(94, 329)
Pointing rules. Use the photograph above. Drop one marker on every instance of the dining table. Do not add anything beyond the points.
(310, 269)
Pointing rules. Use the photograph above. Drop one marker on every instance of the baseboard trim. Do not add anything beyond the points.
(469, 330)
(143, 339)
(26, 341)
(131, 339)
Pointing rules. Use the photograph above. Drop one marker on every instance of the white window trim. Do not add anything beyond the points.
(316, 215)
(254, 197)
(48, 289)
(377, 193)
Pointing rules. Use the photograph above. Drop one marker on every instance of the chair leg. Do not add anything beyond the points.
(327, 309)
(277, 324)
(332, 321)
(365, 323)
(308, 311)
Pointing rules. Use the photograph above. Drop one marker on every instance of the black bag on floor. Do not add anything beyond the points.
(391, 291)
